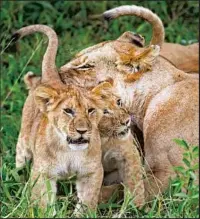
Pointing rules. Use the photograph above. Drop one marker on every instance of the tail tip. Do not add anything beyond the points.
(15, 37)
(107, 16)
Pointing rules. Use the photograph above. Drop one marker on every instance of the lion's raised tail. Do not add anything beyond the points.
(49, 70)
(158, 28)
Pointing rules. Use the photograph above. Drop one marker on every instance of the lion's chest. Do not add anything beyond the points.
(68, 164)
(111, 154)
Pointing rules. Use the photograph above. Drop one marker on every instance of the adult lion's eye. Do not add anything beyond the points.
(69, 111)
(119, 102)
(137, 68)
(91, 110)
(86, 66)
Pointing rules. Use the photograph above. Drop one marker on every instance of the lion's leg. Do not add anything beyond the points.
(23, 154)
(111, 178)
(131, 172)
(44, 189)
(157, 177)
(111, 185)
(88, 189)
(108, 191)
(156, 183)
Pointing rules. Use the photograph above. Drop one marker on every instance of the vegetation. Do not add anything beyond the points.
(78, 27)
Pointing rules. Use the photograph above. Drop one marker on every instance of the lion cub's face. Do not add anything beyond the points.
(75, 119)
(74, 113)
(115, 122)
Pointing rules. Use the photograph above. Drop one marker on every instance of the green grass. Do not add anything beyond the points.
(77, 29)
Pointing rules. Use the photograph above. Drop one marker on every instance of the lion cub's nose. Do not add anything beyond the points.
(81, 131)
(127, 122)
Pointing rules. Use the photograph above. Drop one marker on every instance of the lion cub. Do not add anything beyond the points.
(64, 140)
(119, 152)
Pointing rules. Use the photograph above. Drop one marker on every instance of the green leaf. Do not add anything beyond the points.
(195, 196)
(195, 149)
(181, 195)
(182, 143)
(15, 175)
(186, 162)
(195, 167)
(192, 175)
(179, 169)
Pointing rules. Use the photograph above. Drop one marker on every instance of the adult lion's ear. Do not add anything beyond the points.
(45, 97)
(133, 38)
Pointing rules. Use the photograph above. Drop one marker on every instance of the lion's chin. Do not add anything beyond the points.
(79, 147)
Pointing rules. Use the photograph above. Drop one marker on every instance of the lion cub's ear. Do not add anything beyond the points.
(102, 94)
(45, 97)
(31, 80)
(102, 89)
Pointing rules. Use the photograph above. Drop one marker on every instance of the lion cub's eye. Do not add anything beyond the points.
(91, 110)
(119, 102)
(69, 111)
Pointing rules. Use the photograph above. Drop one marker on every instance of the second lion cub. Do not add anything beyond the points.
(120, 157)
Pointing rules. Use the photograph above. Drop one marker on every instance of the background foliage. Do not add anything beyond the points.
(78, 26)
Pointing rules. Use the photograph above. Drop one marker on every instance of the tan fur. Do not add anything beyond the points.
(121, 155)
(131, 61)
(31, 80)
(150, 100)
(185, 58)
(137, 97)
(50, 141)
(117, 145)
(59, 131)
(135, 61)
(148, 15)
(133, 38)
(49, 71)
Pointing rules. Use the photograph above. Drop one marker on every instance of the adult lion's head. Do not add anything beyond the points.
(126, 55)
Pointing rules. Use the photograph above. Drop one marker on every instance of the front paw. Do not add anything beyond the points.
(82, 210)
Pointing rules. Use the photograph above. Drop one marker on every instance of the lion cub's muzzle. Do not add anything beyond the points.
(124, 130)
(81, 141)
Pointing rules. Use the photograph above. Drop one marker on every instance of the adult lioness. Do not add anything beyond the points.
(164, 101)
